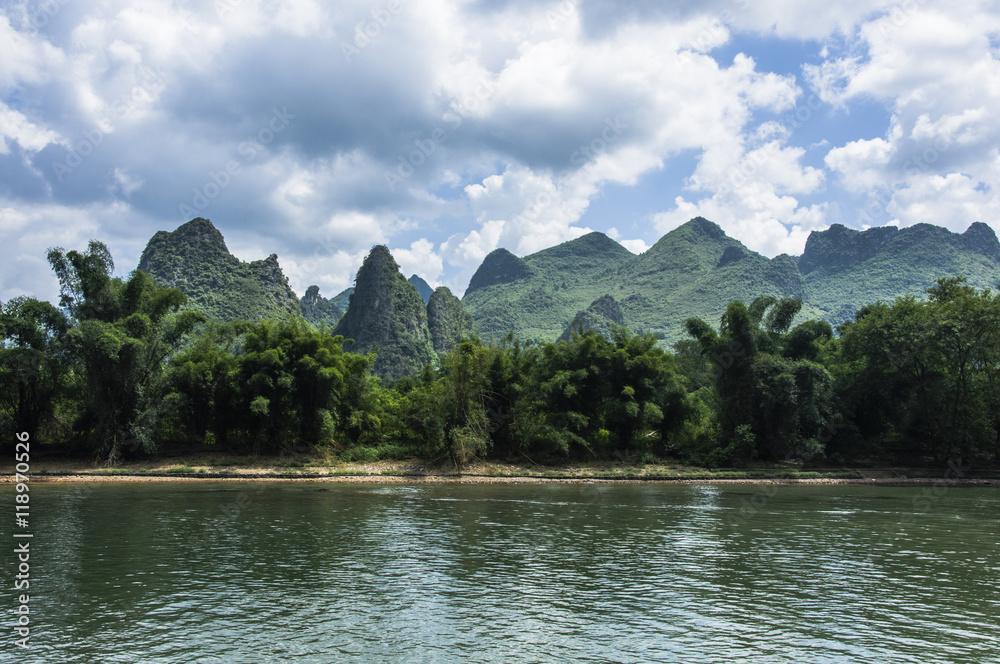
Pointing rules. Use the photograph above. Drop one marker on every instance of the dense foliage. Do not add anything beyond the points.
(447, 320)
(120, 369)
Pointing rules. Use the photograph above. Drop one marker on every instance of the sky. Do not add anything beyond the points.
(445, 130)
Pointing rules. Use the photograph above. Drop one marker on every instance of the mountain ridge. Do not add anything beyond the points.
(695, 270)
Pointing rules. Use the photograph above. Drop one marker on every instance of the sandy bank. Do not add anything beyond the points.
(199, 468)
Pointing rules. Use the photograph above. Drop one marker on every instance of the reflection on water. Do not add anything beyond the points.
(222, 572)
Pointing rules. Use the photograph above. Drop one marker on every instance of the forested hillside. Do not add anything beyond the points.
(697, 270)
(195, 260)
(120, 369)
(387, 315)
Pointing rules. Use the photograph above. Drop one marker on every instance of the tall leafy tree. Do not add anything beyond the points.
(774, 399)
(271, 385)
(32, 370)
(920, 377)
(125, 329)
(594, 397)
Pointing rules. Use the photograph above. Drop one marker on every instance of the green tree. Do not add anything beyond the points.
(272, 385)
(594, 397)
(124, 332)
(32, 371)
(919, 377)
(773, 398)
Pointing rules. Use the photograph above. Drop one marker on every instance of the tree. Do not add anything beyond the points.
(273, 385)
(595, 397)
(773, 397)
(32, 372)
(920, 378)
(125, 330)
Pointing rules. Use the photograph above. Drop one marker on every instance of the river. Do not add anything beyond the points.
(326, 572)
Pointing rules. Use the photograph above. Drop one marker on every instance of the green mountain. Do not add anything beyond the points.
(846, 268)
(696, 270)
(194, 259)
(538, 296)
(318, 310)
(447, 319)
(423, 288)
(599, 316)
(385, 313)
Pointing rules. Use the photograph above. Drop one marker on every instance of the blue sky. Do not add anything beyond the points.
(448, 129)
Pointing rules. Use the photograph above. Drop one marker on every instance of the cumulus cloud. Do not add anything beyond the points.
(421, 259)
(936, 68)
(445, 130)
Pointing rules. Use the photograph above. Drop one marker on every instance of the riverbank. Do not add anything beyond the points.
(202, 467)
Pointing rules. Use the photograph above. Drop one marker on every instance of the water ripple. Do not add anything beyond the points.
(275, 573)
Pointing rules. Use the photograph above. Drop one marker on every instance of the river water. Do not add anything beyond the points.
(309, 572)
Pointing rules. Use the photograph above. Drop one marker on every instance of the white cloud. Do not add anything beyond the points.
(27, 235)
(861, 163)
(537, 109)
(16, 128)
(954, 201)
(420, 259)
(935, 67)
(635, 246)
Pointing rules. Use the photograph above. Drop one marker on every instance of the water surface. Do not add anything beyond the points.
(309, 572)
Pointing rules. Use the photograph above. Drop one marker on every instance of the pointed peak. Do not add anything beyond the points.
(442, 291)
(311, 296)
(982, 238)
(696, 230)
(199, 230)
(422, 287)
(380, 259)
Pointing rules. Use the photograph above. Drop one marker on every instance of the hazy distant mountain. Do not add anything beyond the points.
(423, 288)
(194, 258)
